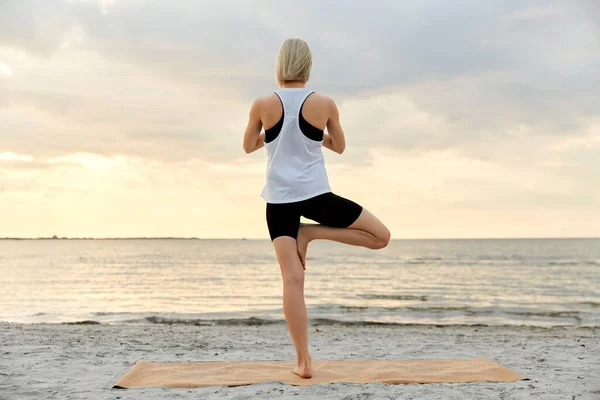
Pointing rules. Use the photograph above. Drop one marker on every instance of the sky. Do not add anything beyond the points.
(463, 119)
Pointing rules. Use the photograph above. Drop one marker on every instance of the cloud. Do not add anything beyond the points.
(233, 44)
(5, 70)
(14, 157)
(478, 104)
(34, 26)
(105, 5)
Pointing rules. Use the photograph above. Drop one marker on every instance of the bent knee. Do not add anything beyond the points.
(382, 240)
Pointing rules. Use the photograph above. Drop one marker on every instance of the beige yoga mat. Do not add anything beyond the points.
(236, 373)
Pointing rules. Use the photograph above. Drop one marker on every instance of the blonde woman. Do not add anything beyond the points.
(294, 119)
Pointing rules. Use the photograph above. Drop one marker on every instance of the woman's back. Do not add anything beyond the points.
(293, 140)
(314, 111)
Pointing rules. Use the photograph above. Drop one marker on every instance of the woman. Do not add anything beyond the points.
(294, 119)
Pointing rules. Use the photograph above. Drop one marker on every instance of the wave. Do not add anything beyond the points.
(85, 322)
(469, 310)
(393, 297)
(593, 304)
(435, 309)
(253, 321)
(553, 314)
(583, 262)
(439, 309)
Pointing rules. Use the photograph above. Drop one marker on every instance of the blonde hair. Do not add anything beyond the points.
(293, 62)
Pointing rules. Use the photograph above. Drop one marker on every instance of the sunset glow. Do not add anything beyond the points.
(121, 121)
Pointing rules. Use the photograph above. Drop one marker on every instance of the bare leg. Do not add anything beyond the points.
(294, 306)
(366, 231)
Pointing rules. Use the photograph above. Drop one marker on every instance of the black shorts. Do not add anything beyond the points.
(328, 209)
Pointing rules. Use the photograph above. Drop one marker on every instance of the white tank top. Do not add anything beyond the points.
(295, 166)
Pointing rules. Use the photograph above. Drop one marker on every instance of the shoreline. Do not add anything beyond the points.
(55, 360)
(317, 322)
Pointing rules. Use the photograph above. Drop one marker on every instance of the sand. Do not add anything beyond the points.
(58, 361)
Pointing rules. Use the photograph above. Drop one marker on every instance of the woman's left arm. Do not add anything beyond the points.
(253, 139)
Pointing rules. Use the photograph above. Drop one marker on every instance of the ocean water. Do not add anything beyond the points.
(533, 282)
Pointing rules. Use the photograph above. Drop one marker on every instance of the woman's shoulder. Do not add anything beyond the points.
(315, 98)
(266, 99)
(321, 98)
(263, 103)
(321, 101)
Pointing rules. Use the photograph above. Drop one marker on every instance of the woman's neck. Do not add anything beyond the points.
(293, 84)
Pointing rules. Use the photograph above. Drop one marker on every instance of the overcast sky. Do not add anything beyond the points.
(471, 119)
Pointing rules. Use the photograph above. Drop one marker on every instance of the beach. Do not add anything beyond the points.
(413, 184)
(63, 361)
(77, 315)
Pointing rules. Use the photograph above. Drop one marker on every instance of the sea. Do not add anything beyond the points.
(494, 282)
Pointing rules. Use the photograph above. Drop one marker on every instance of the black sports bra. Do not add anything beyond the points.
(310, 131)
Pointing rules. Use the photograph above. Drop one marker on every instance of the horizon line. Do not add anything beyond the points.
(267, 238)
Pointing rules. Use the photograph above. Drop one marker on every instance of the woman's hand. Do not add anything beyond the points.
(260, 142)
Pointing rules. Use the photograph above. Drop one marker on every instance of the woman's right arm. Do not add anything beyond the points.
(334, 138)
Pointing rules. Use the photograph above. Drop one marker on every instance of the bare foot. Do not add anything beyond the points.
(302, 242)
(304, 370)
